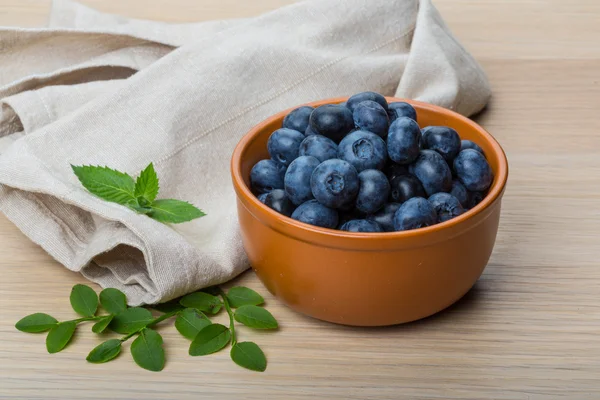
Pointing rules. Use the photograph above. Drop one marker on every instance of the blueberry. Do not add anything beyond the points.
(433, 172)
(364, 150)
(361, 225)
(460, 192)
(401, 109)
(446, 206)
(393, 170)
(371, 116)
(405, 187)
(374, 191)
(284, 144)
(334, 183)
(473, 170)
(314, 213)
(442, 139)
(267, 175)
(364, 96)
(474, 199)
(404, 140)
(298, 118)
(415, 213)
(467, 144)
(309, 132)
(319, 146)
(385, 216)
(332, 120)
(297, 179)
(278, 201)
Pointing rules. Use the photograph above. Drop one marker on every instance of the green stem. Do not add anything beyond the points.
(86, 319)
(228, 308)
(149, 324)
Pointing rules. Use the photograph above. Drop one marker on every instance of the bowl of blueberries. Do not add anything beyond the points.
(367, 210)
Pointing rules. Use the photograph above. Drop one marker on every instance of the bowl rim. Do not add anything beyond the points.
(495, 192)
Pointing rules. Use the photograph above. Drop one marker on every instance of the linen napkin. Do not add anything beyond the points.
(105, 90)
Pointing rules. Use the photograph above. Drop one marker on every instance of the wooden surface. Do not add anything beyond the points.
(530, 329)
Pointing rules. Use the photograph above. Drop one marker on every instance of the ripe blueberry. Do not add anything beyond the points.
(460, 192)
(364, 96)
(334, 183)
(442, 139)
(298, 118)
(405, 187)
(433, 172)
(467, 144)
(404, 140)
(374, 191)
(446, 206)
(319, 146)
(297, 179)
(364, 150)
(361, 225)
(314, 213)
(401, 109)
(385, 216)
(332, 120)
(415, 213)
(371, 116)
(278, 201)
(473, 170)
(267, 175)
(284, 145)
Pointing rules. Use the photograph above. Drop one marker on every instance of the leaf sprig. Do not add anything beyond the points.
(146, 349)
(139, 195)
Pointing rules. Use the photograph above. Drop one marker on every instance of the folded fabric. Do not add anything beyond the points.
(104, 90)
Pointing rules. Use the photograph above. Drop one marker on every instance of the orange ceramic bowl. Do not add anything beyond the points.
(368, 279)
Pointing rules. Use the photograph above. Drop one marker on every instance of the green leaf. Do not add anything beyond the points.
(113, 300)
(190, 321)
(249, 355)
(255, 317)
(131, 320)
(242, 296)
(106, 183)
(202, 301)
(146, 185)
(105, 351)
(139, 209)
(169, 306)
(34, 323)
(84, 300)
(210, 339)
(102, 324)
(59, 336)
(147, 350)
(174, 211)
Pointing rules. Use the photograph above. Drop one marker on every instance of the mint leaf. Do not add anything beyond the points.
(113, 300)
(84, 300)
(59, 336)
(210, 339)
(102, 324)
(255, 317)
(131, 320)
(249, 355)
(242, 296)
(146, 185)
(201, 301)
(105, 351)
(106, 183)
(34, 323)
(174, 211)
(190, 321)
(147, 351)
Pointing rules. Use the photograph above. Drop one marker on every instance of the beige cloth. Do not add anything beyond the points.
(72, 94)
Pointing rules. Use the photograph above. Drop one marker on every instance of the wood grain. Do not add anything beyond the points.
(530, 329)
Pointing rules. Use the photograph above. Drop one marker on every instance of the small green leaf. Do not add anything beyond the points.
(147, 350)
(202, 301)
(131, 320)
(59, 336)
(174, 211)
(34, 323)
(139, 209)
(146, 185)
(255, 317)
(84, 300)
(102, 324)
(242, 296)
(190, 321)
(105, 351)
(210, 339)
(108, 184)
(249, 355)
(172, 305)
(113, 300)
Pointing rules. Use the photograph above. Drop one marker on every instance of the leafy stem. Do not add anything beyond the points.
(149, 324)
(230, 312)
(78, 320)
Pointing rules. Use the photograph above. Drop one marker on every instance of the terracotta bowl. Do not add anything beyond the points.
(368, 279)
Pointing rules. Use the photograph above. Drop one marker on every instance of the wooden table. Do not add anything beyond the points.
(530, 329)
